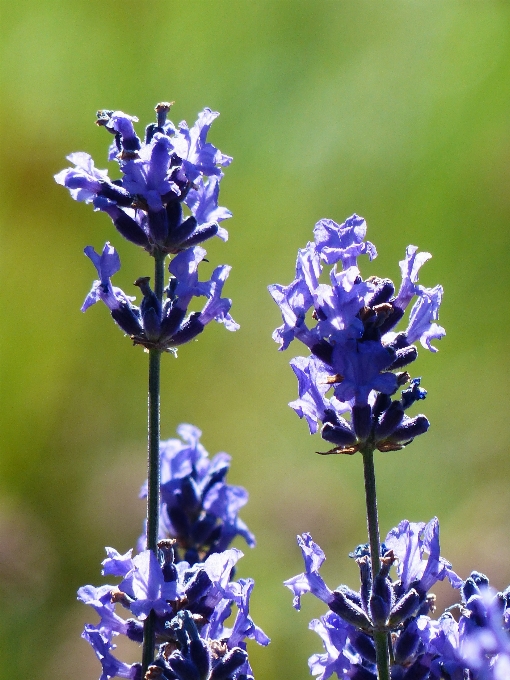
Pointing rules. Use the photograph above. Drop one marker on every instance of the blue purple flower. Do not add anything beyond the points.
(191, 605)
(198, 508)
(400, 607)
(354, 369)
(167, 197)
(474, 647)
(168, 325)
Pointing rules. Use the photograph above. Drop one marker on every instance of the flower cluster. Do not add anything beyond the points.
(167, 325)
(477, 647)
(174, 167)
(198, 509)
(173, 171)
(191, 606)
(188, 585)
(355, 350)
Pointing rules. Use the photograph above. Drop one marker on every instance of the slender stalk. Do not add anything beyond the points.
(371, 503)
(153, 469)
(380, 637)
(159, 274)
(381, 655)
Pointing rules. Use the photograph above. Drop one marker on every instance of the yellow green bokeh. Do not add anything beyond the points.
(396, 110)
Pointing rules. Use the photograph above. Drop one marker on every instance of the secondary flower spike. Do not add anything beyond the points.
(474, 647)
(357, 352)
(191, 605)
(162, 326)
(199, 511)
(167, 197)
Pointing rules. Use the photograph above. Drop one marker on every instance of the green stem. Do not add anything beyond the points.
(380, 637)
(371, 503)
(153, 458)
(153, 471)
(159, 274)
(381, 655)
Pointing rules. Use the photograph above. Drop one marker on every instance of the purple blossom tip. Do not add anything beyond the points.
(173, 168)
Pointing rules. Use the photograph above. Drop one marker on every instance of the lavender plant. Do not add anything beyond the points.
(178, 587)
(347, 387)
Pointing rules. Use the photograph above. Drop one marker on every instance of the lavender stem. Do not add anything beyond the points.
(380, 637)
(153, 472)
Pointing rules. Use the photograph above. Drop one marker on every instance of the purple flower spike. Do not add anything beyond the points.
(355, 353)
(198, 508)
(190, 603)
(172, 169)
(477, 647)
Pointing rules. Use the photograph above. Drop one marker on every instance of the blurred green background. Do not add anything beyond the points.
(399, 111)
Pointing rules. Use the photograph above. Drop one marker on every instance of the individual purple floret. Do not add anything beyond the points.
(101, 643)
(198, 509)
(347, 382)
(172, 169)
(410, 542)
(191, 605)
(168, 325)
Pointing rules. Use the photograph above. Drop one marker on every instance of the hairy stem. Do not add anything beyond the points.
(153, 468)
(380, 637)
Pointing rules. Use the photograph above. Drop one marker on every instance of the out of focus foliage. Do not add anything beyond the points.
(399, 111)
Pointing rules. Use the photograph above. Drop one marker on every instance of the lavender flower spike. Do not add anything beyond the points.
(167, 198)
(190, 605)
(199, 510)
(477, 647)
(355, 367)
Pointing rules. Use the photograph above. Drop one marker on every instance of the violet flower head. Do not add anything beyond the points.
(191, 604)
(199, 510)
(167, 197)
(347, 383)
(168, 325)
(400, 607)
